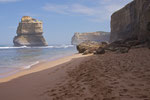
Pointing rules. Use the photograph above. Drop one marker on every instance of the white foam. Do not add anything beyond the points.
(21, 47)
(29, 66)
(13, 47)
(44, 47)
(64, 46)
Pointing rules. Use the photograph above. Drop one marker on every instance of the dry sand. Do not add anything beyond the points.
(99, 77)
(29, 84)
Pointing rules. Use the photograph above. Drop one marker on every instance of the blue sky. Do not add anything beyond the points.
(61, 18)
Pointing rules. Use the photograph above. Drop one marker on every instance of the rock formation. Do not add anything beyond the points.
(88, 47)
(132, 21)
(120, 46)
(90, 36)
(130, 29)
(29, 33)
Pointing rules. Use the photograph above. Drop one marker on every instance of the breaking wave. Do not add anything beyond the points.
(22, 47)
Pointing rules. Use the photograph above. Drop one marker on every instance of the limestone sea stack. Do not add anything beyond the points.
(29, 33)
(132, 21)
(99, 36)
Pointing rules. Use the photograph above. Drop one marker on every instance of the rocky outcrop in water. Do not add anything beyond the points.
(90, 36)
(132, 21)
(29, 33)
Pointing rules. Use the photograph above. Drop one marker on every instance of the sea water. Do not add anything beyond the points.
(13, 59)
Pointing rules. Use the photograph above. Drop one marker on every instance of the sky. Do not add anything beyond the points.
(61, 18)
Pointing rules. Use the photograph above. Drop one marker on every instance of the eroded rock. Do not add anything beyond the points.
(91, 46)
(88, 47)
(90, 36)
(132, 21)
(120, 46)
(29, 33)
(100, 50)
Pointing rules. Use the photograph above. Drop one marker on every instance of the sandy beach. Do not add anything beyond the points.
(41, 66)
(75, 50)
(27, 84)
(109, 76)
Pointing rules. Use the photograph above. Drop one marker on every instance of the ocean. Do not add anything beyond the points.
(14, 59)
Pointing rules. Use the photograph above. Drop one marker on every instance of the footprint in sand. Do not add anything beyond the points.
(88, 99)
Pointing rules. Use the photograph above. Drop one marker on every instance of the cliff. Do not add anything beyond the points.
(132, 21)
(90, 36)
(29, 33)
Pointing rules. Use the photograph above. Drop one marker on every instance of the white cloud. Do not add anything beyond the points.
(81, 9)
(100, 11)
(112, 8)
(6, 1)
(74, 9)
(62, 9)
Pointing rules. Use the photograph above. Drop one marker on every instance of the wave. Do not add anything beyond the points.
(64, 46)
(13, 47)
(29, 66)
(44, 47)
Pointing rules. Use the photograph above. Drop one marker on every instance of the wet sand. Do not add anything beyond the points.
(109, 76)
(31, 83)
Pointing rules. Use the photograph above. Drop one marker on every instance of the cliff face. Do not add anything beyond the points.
(132, 21)
(91, 36)
(29, 33)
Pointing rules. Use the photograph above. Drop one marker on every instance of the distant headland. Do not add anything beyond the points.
(98, 36)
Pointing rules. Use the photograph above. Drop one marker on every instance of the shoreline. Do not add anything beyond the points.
(110, 76)
(19, 69)
(39, 67)
(16, 59)
(15, 70)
